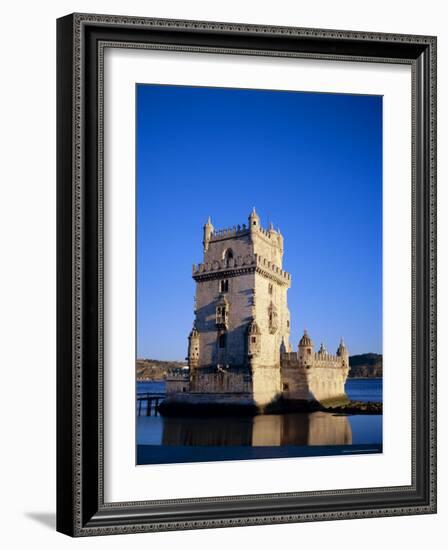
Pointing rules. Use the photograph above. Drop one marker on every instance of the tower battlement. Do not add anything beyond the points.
(315, 359)
(229, 232)
(240, 230)
(229, 267)
(243, 239)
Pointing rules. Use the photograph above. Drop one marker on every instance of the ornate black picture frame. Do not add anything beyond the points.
(81, 509)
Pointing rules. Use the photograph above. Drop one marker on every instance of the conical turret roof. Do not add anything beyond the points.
(342, 349)
(305, 341)
(194, 332)
(253, 214)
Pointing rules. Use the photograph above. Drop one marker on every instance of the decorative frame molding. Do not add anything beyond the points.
(81, 39)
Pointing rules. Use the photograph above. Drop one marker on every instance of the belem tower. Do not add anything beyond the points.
(238, 350)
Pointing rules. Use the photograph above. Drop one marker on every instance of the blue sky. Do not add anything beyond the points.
(309, 162)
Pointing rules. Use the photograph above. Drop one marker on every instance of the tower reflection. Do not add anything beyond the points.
(316, 428)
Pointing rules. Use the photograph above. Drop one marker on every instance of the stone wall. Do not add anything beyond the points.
(322, 379)
(271, 343)
(266, 384)
(327, 385)
(268, 245)
(295, 383)
(177, 382)
(220, 382)
(239, 297)
(238, 242)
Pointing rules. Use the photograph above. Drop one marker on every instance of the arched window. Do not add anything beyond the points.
(222, 316)
(228, 254)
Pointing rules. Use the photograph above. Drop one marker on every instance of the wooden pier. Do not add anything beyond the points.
(152, 401)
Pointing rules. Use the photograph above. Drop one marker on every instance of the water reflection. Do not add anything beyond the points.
(316, 428)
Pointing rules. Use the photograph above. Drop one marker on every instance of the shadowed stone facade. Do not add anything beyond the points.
(238, 349)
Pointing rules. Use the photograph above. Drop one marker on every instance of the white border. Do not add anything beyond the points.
(123, 481)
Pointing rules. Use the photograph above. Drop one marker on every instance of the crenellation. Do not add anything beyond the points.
(238, 262)
(229, 233)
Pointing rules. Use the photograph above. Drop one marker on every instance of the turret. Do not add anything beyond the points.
(322, 349)
(254, 220)
(283, 347)
(305, 348)
(193, 348)
(343, 353)
(208, 231)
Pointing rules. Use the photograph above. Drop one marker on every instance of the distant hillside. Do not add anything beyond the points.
(153, 369)
(366, 365)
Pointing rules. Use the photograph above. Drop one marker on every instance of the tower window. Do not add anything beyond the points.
(228, 254)
(254, 339)
(270, 288)
(222, 340)
(222, 314)
(224, 285)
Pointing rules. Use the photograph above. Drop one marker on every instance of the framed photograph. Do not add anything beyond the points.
(246, 274)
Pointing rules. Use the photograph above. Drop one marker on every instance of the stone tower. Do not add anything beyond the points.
(242, 321)
(342, 352)
(238, 349)
(193, 348)
(305, 349)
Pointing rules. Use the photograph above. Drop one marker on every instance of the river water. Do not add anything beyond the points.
(185, 439)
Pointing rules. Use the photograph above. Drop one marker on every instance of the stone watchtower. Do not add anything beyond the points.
(342, 353)
(242, 321)
(238, 349)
